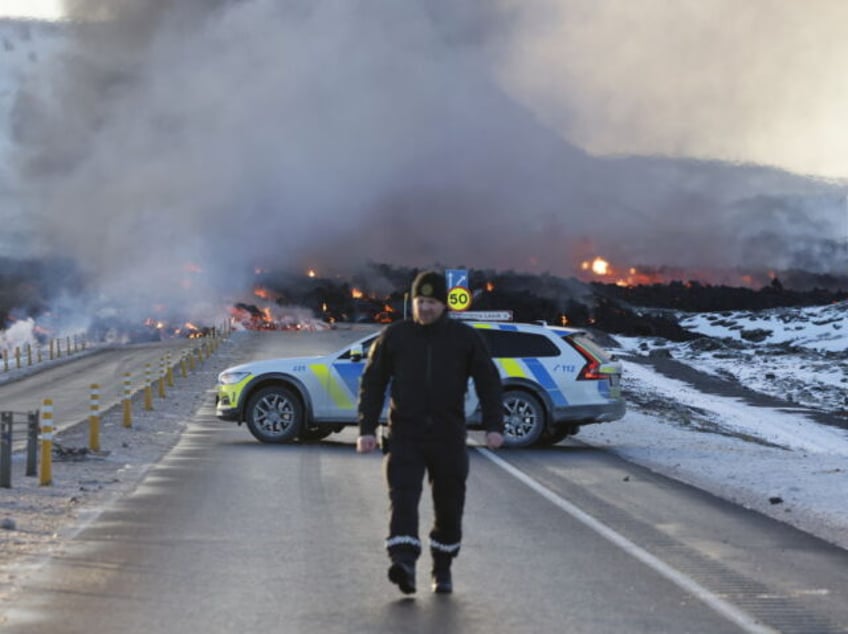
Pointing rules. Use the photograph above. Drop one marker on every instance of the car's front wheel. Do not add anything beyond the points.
(274, 415)
(524, 419)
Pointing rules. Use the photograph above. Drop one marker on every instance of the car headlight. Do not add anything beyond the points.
(228, 378)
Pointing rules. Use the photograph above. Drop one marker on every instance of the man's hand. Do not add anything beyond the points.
(494, 440)
(366, 444)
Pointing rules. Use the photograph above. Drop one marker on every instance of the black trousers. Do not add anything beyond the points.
(446, 465)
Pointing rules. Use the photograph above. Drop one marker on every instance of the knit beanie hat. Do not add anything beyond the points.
(430, 284)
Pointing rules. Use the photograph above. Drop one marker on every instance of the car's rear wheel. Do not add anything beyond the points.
(524, 419)
(274, 415)
(552, 436)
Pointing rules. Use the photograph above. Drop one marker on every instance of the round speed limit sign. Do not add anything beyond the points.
(459, 298)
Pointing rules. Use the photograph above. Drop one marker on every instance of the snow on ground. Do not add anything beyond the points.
(790, 430)
(776, 460)
(798, 354)
(816, 327)
(782, 464)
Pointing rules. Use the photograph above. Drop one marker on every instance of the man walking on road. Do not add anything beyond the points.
(427, 361)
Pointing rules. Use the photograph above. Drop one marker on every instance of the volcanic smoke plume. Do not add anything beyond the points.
(174, 146)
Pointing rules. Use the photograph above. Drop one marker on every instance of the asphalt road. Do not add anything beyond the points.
(229, 535)
(68, 383)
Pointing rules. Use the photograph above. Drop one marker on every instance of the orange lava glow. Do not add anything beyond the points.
(602, 270)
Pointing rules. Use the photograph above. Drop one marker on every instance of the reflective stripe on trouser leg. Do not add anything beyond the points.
(442, 555)
(403, 540)
(405, 548)
(437, 548)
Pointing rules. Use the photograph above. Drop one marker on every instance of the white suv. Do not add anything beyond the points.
(555, 380)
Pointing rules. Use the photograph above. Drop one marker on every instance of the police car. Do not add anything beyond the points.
(555, 380)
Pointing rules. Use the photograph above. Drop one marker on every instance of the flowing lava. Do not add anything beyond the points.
(263, 293)
(602, 270)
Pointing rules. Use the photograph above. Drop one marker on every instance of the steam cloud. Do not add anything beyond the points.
(172, 136)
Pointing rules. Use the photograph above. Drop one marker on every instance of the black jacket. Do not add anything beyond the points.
(428, 368)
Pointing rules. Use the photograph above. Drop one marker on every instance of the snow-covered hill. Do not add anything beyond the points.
(796, 354)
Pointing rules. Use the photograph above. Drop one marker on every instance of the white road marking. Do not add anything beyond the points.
(744, 620)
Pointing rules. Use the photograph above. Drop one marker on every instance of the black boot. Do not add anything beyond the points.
(441, 576)
(403, 574)
(442, 583)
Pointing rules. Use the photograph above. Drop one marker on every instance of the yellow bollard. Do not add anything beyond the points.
(183, 372)
(18, 357)
(39, 356)
(29, 354)
(162, 378)
(46, 475)
(148, 389)
(5, 360)
(127, 399)
(169, 370)
(94, 419)
(68, 345)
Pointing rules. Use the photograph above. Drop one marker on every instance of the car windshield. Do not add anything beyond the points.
(365, 346)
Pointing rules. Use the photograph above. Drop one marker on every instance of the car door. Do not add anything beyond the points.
(341, 381)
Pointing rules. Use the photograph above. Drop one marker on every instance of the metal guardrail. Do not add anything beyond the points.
(29, 421)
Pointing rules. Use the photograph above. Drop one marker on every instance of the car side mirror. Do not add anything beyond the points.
(356, 353)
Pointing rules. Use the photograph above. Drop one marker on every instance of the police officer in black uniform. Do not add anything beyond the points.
(427, 361)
